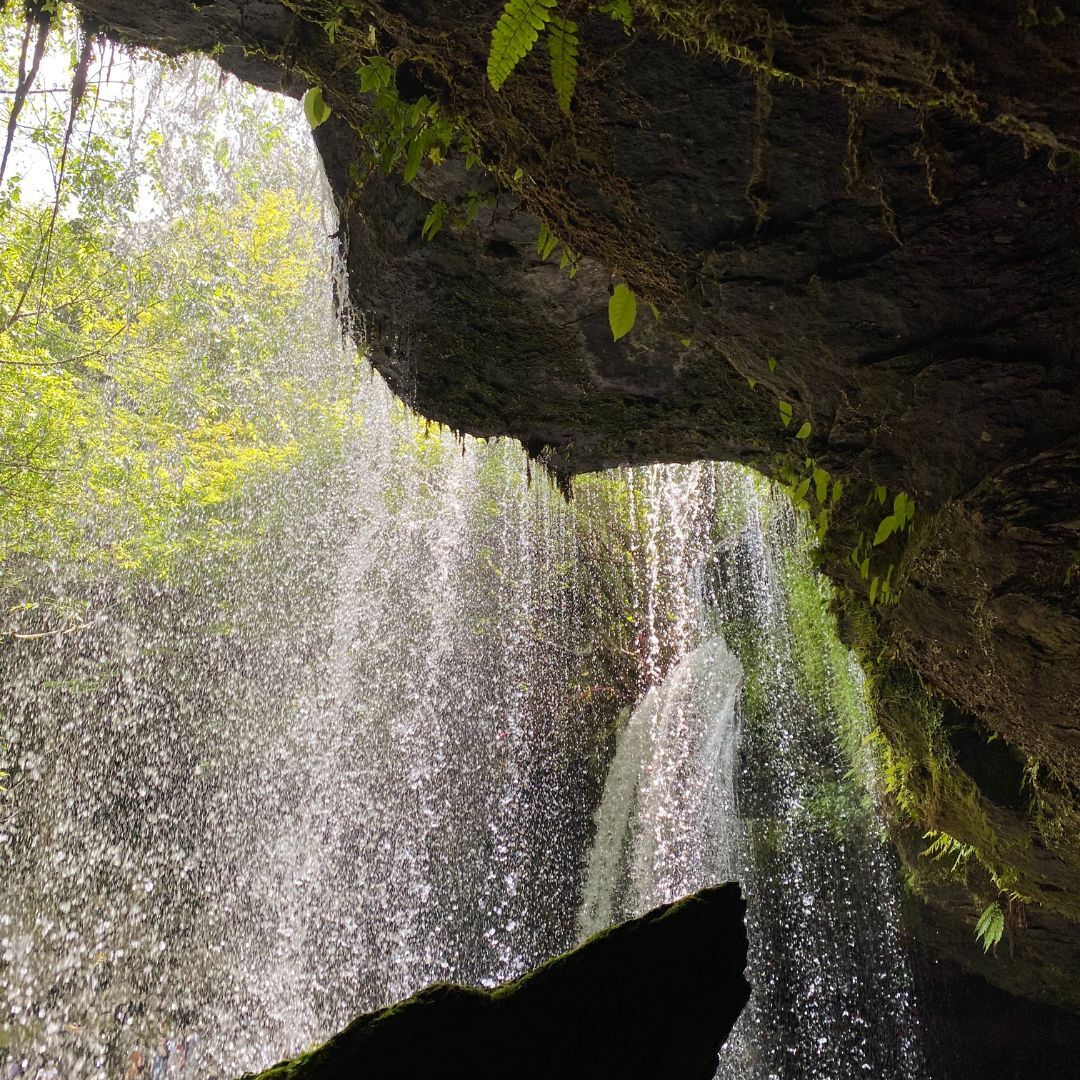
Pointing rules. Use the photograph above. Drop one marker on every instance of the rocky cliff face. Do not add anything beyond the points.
(862, 219)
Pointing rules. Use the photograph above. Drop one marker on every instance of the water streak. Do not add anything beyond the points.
(723, 772)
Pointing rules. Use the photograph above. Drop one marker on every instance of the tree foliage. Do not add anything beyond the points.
(148, 373)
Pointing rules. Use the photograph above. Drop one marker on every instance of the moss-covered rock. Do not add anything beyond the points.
(650, 999)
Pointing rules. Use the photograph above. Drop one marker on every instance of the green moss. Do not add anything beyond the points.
(862, 57)
(932, 793)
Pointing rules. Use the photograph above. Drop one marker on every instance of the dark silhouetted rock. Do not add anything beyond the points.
(650, 999)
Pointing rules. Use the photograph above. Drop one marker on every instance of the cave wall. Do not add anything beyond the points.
(868, 211)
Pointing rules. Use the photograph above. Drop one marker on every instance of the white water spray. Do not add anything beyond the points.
(683, 808)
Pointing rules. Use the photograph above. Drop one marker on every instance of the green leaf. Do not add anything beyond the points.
(873, 589)
(821, 485)
(618, 11)
(771, 361)
(622, 311)
(563, 47)
(837, 491)
(545, 242)
(885, 530)
(785, 412)
(749, 382)
(899, 505)
(822, 526)
(864, 569)
(514, 35)
(801, 490)
(880, 493)
(990, 927)
(412, 162)
(686, 341)
(804, 431)
(434, 221)
(315, 109)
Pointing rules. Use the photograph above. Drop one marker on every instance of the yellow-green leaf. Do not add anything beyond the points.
(884, 530)
(622, 311)
(315, 109)
(434, 221)
(412, 161)
(821, 485)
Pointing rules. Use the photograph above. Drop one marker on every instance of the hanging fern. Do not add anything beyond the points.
(514, 35)
(563, 46)
(619, 11)
(990, 927)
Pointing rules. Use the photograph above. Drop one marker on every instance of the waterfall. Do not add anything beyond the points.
(360, 745)
(357, 789)
(694, 796)
(363, 778)
(669, 795)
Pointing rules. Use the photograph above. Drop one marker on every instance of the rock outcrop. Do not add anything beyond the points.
(866, 214)
(650, 999)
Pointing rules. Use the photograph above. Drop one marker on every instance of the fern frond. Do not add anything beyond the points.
(946, 846)
(991, 926)
(563, 46)
(619, 11)
(546, 243)
(514, 35)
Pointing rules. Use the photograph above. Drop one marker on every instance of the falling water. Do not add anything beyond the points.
(245, 834)
(731, 770)
(364, 753)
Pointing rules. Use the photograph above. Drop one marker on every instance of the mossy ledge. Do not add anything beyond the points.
(649, 999)
(868, 211)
